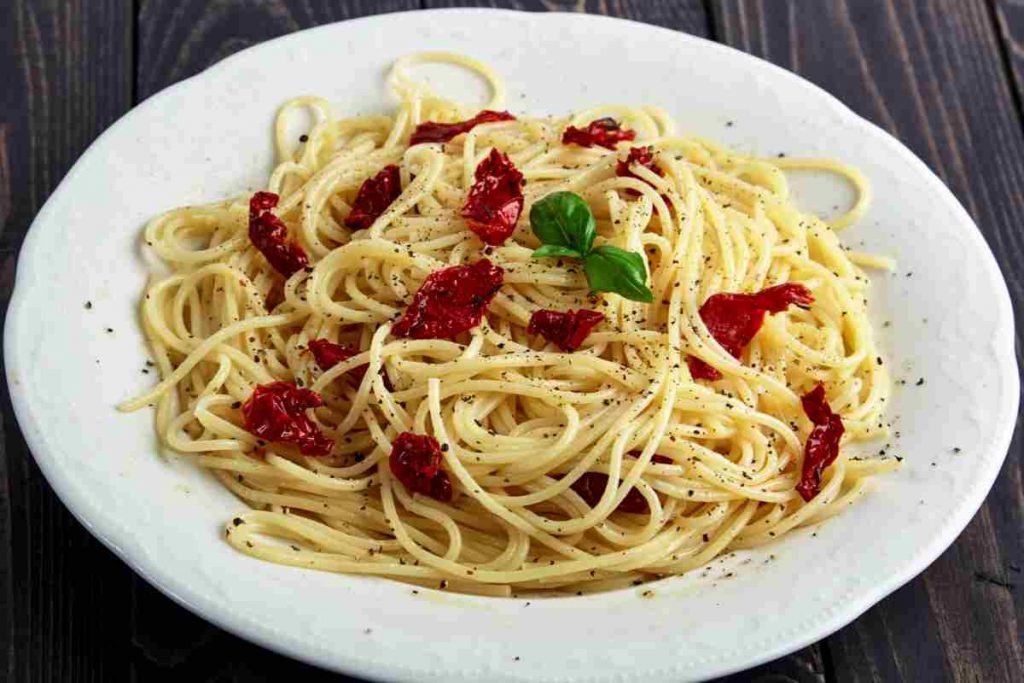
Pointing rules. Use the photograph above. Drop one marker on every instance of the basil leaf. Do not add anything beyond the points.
(555, 250)
(566, 227)
(563, 219)
(610, 269)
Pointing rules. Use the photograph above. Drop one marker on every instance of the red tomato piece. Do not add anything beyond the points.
(431, 131)
(276, 412)
(734, 319)
(606, 132)
(567, 329)
(822, 446)
(269, 234)
(644, 156)
(375, 195)
(328, 354)
(495, 201)
(450, 301)
(416, 461)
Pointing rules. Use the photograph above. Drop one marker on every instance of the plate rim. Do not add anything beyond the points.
(93, 519)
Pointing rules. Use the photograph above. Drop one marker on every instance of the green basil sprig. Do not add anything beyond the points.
(566, 227)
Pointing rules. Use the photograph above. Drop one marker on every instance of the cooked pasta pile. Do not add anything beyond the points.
(521, 423)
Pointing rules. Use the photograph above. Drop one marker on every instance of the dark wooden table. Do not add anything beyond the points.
(944, 76)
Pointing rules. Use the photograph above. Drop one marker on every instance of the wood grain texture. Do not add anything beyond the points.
(179, 38)
(7, 608)
(65, 70)
(167, 642)
(1010, 19)
(929, 72)
(682, 15)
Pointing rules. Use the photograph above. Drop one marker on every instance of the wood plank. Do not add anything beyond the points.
(66, 70)
(7, 608)
(179, 38)
(1010, 18)
(682, 15)
(931, 73)
(171, 643)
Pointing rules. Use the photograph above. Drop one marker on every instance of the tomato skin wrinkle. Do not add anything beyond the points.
(734, 319)
(450, 301)
(432, 131)
(328, 354)
(416, 461)
(375, 195)
(276, 412)
(566, 329)
(495, 200)
(822, 446)
(591, 486)
(605, 132)
(269, 234)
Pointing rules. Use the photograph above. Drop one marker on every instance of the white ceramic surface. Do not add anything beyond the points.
(208, 137)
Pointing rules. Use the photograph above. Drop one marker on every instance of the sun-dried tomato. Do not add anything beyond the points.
(269, 234)
(734, 319)
(495, 201)
(328, 354)
(567, 329)
(701, 370)
(644, 156)
(591, 487)
(277, 412)
(374, 197)
(822, 446)
(451, 300)
(606, 132)
(416, 461)
(431, 131)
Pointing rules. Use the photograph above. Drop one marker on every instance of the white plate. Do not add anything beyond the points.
(209, 136)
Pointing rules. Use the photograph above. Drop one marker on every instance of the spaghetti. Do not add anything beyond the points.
(570, 470)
